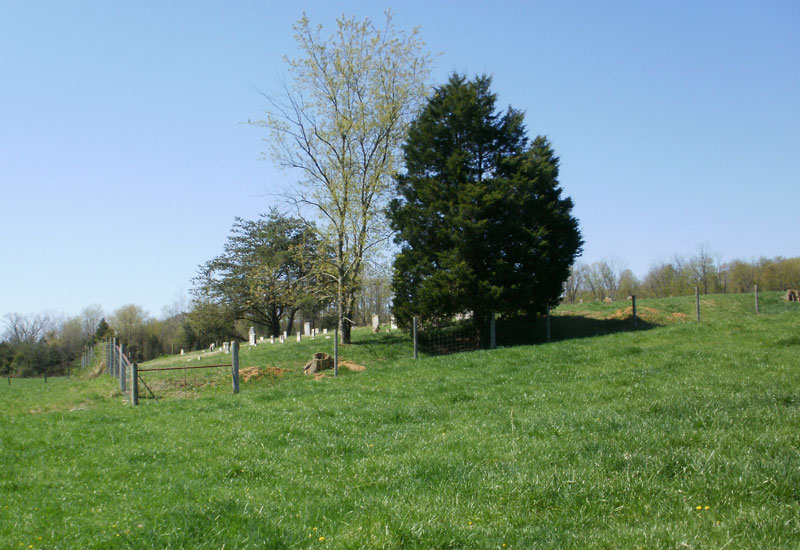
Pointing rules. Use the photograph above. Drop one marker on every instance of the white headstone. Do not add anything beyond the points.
(252, 336)
(285, 335)
(299, 336)
(181, 351)
(324, 331)
(393, 323)
(307, 329)
(226, 347)
(283, 338)
(272, 339)
(376, 323)
(260, 338)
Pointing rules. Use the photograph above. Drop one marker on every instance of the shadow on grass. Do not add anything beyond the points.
(384, 345)
(517, 332)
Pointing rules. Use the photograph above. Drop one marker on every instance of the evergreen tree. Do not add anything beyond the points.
(480, 218)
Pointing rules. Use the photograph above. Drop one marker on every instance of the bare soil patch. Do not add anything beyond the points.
(352, 366)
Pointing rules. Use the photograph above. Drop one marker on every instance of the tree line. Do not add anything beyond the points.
(705, 270)
(47, 344)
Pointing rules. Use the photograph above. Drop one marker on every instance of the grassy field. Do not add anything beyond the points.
(681, 435)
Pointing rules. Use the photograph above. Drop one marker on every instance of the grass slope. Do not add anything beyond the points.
(605, 442)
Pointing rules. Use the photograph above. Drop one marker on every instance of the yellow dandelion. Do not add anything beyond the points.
(698, 507)
(315, 528)
(469, 523)
(707, 508)
(321, 539)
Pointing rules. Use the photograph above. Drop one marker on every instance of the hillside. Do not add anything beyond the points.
(677, 435)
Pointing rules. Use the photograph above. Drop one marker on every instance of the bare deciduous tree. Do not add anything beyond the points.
(27, 329)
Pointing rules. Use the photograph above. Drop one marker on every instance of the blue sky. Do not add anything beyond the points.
(125, 156)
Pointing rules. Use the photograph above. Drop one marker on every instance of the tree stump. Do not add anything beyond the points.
(320, 362)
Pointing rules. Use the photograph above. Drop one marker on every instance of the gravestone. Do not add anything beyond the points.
(181, 351)
(324, 331)
(299, 336)
(272, 339)
(252, 336)
(307, 329)
(283, 338)
(212, 346)
(226, 347)
(393, 323)
(376, 323)
(285, 335)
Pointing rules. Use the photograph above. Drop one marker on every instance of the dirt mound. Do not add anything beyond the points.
(620, 314)
(254, 373)
(627, 313)
(352, 366)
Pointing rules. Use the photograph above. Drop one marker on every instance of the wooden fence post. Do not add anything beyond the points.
(235, 366)
(135, 384)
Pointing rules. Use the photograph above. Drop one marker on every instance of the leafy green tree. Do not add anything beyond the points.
(6, 358)
(480, 218)
(210, 322)
(266, 273)
(340, 125)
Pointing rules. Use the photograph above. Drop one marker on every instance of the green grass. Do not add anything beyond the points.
(601, 442)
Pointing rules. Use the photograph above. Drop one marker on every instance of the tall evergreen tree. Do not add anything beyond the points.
(480, 217)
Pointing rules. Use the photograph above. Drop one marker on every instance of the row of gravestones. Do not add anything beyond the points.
(307, 331)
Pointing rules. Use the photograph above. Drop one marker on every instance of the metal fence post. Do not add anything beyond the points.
(757, 312)
(122, 372)
(415, 336)
(135, 384)
(697, 301)
(235, 367)
(336, 352)
(633, 301)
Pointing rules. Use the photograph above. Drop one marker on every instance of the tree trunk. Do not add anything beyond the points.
(290, 320)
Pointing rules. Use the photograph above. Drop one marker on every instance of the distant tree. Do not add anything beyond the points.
(210, 322)
(129, 322)
(90, 321)
(266, 273)
(341, 123)
(27, 329)
(704, 270)
(480, 218)
(6, 358)
(628, 284)
(576, 282)
(103, 330)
